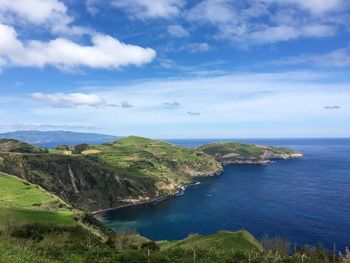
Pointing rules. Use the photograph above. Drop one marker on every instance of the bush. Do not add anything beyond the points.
(80, 148)
(276, 244)
(151, 245)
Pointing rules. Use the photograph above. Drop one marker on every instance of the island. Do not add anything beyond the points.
(47, 196)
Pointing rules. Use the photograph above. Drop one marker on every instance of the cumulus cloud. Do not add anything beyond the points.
(69, 100)
(335, 107)
(46, 13)
(178, 31)
(104, 52)
(144, 9)
(126, 104)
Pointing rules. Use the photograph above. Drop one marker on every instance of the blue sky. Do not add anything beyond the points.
(176, 68)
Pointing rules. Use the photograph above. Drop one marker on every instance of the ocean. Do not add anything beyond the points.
(306, 201)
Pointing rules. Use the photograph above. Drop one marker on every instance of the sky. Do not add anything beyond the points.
(176, 68)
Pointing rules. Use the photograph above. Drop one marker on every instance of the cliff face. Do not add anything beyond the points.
(127, 171)
(82, 182)
(237, 153)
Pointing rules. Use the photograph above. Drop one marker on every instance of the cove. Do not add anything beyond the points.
(305, 201)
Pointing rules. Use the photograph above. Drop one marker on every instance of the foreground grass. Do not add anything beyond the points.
(222, 241)
(23, 251)
(26, 203)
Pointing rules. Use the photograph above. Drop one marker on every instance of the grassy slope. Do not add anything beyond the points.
(170, 164)
(28, 203)
(129, 170)
(221, 241)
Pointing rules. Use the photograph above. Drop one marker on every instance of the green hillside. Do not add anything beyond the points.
(11, 145)
(240, 153)
(170, 164)
(126, 171)
(26, 203)
(221, 241)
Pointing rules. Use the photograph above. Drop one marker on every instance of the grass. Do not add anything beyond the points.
(242, 150)
(20, 252)
(166, 162)
(28, 203)
(221, 241)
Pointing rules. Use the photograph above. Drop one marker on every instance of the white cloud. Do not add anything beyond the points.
(45, 13)
(34, 11)
(336, 58)
(285, 33)
(213, 11)
(178, 31)
(143, 9)
(240, 104)
(268, 21)
(197, 47)
(92, 6)
(69, 100)
(105, 52)
(315, 6)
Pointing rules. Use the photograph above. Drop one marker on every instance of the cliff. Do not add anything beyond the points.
(127, 171)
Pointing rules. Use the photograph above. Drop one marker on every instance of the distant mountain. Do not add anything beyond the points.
(54, 138)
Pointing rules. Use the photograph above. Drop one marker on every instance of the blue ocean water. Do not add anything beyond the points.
(305, 201)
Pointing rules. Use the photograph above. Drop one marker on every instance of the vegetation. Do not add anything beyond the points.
(130, 170)
(206, 250)
(232, 153)
(10, 145)
(27, 203)
(38, 226)
(220, 242)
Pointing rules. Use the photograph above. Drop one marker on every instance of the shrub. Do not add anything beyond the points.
(151, 245)
(276, 244)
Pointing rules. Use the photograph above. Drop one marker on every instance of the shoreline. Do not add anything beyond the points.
(182, 188)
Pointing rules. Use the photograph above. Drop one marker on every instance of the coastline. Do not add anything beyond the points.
(180, 191)
(182, 188)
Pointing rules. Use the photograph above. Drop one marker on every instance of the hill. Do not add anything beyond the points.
(239, 153)
(54, 138)
(28, 203)
(127, 171)
(15, 146)
(35, 223)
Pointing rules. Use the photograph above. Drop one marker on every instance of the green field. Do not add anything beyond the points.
(23, 203)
